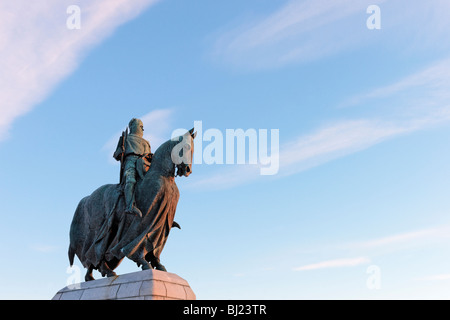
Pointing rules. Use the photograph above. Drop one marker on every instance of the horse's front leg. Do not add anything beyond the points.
(89, 276)
(155, 263)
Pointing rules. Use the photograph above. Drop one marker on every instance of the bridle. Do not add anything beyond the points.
(182, 169)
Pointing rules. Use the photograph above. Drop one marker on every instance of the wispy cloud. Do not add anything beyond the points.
(305, 30)
(416, 102)
(43, 248)
(436, 277)
(334, 141)
(238, 275)
(407, 237)
(426, 88)
(301, 30)
(345, 262)
(297, 31)
(323, 145)
(307, 151)
(38, 51)
(371, 249)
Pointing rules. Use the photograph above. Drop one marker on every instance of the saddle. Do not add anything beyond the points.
(143, 164)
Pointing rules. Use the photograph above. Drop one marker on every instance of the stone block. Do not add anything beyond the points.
(190, 295)
(175, 291)
(153, 288)
(127, 290)
(100, 293)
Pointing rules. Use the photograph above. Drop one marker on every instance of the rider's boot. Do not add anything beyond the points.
(129, 200)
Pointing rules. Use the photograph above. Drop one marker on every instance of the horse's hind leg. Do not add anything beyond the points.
(89, 276)
(106, 270)
(139, 258)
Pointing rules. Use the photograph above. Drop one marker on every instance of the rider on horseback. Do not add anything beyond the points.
(135, 155)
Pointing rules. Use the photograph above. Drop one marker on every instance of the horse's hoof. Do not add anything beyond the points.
(160, 267)
(111, 274)
(89, 278)
(144, 263)
(146, 267)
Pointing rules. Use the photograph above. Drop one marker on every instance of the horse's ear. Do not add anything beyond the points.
(192, 133)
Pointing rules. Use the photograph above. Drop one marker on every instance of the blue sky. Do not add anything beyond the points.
(363, 118)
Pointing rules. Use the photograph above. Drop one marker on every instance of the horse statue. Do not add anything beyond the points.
(102, 234)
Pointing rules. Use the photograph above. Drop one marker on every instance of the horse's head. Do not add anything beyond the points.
(174, 157)
(182, 153)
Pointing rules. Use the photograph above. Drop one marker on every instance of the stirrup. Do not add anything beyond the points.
(134, 211)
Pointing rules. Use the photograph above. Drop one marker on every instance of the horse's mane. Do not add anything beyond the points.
(162, 161)
(162, 158)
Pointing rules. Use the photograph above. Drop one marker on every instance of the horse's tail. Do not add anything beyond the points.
(71, 255)
(74, 237)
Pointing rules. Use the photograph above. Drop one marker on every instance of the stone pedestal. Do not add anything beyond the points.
(141, 285)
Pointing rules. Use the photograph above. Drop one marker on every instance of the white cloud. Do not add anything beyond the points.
(38, 51)
(297, 31)
(436, 277)
(157, 126)
(239, 275)
(305, 30)
(333, 141)
(345, 262)
(416, 102)
(43, 248)
(375, 248)
(407, 237)
(321, 146)
(429, 86)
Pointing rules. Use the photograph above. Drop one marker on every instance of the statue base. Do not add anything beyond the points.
(141, 285)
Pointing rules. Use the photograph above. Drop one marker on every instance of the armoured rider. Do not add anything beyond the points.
(134, 153)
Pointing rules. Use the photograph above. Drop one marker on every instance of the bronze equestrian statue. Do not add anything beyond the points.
(102, 234)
